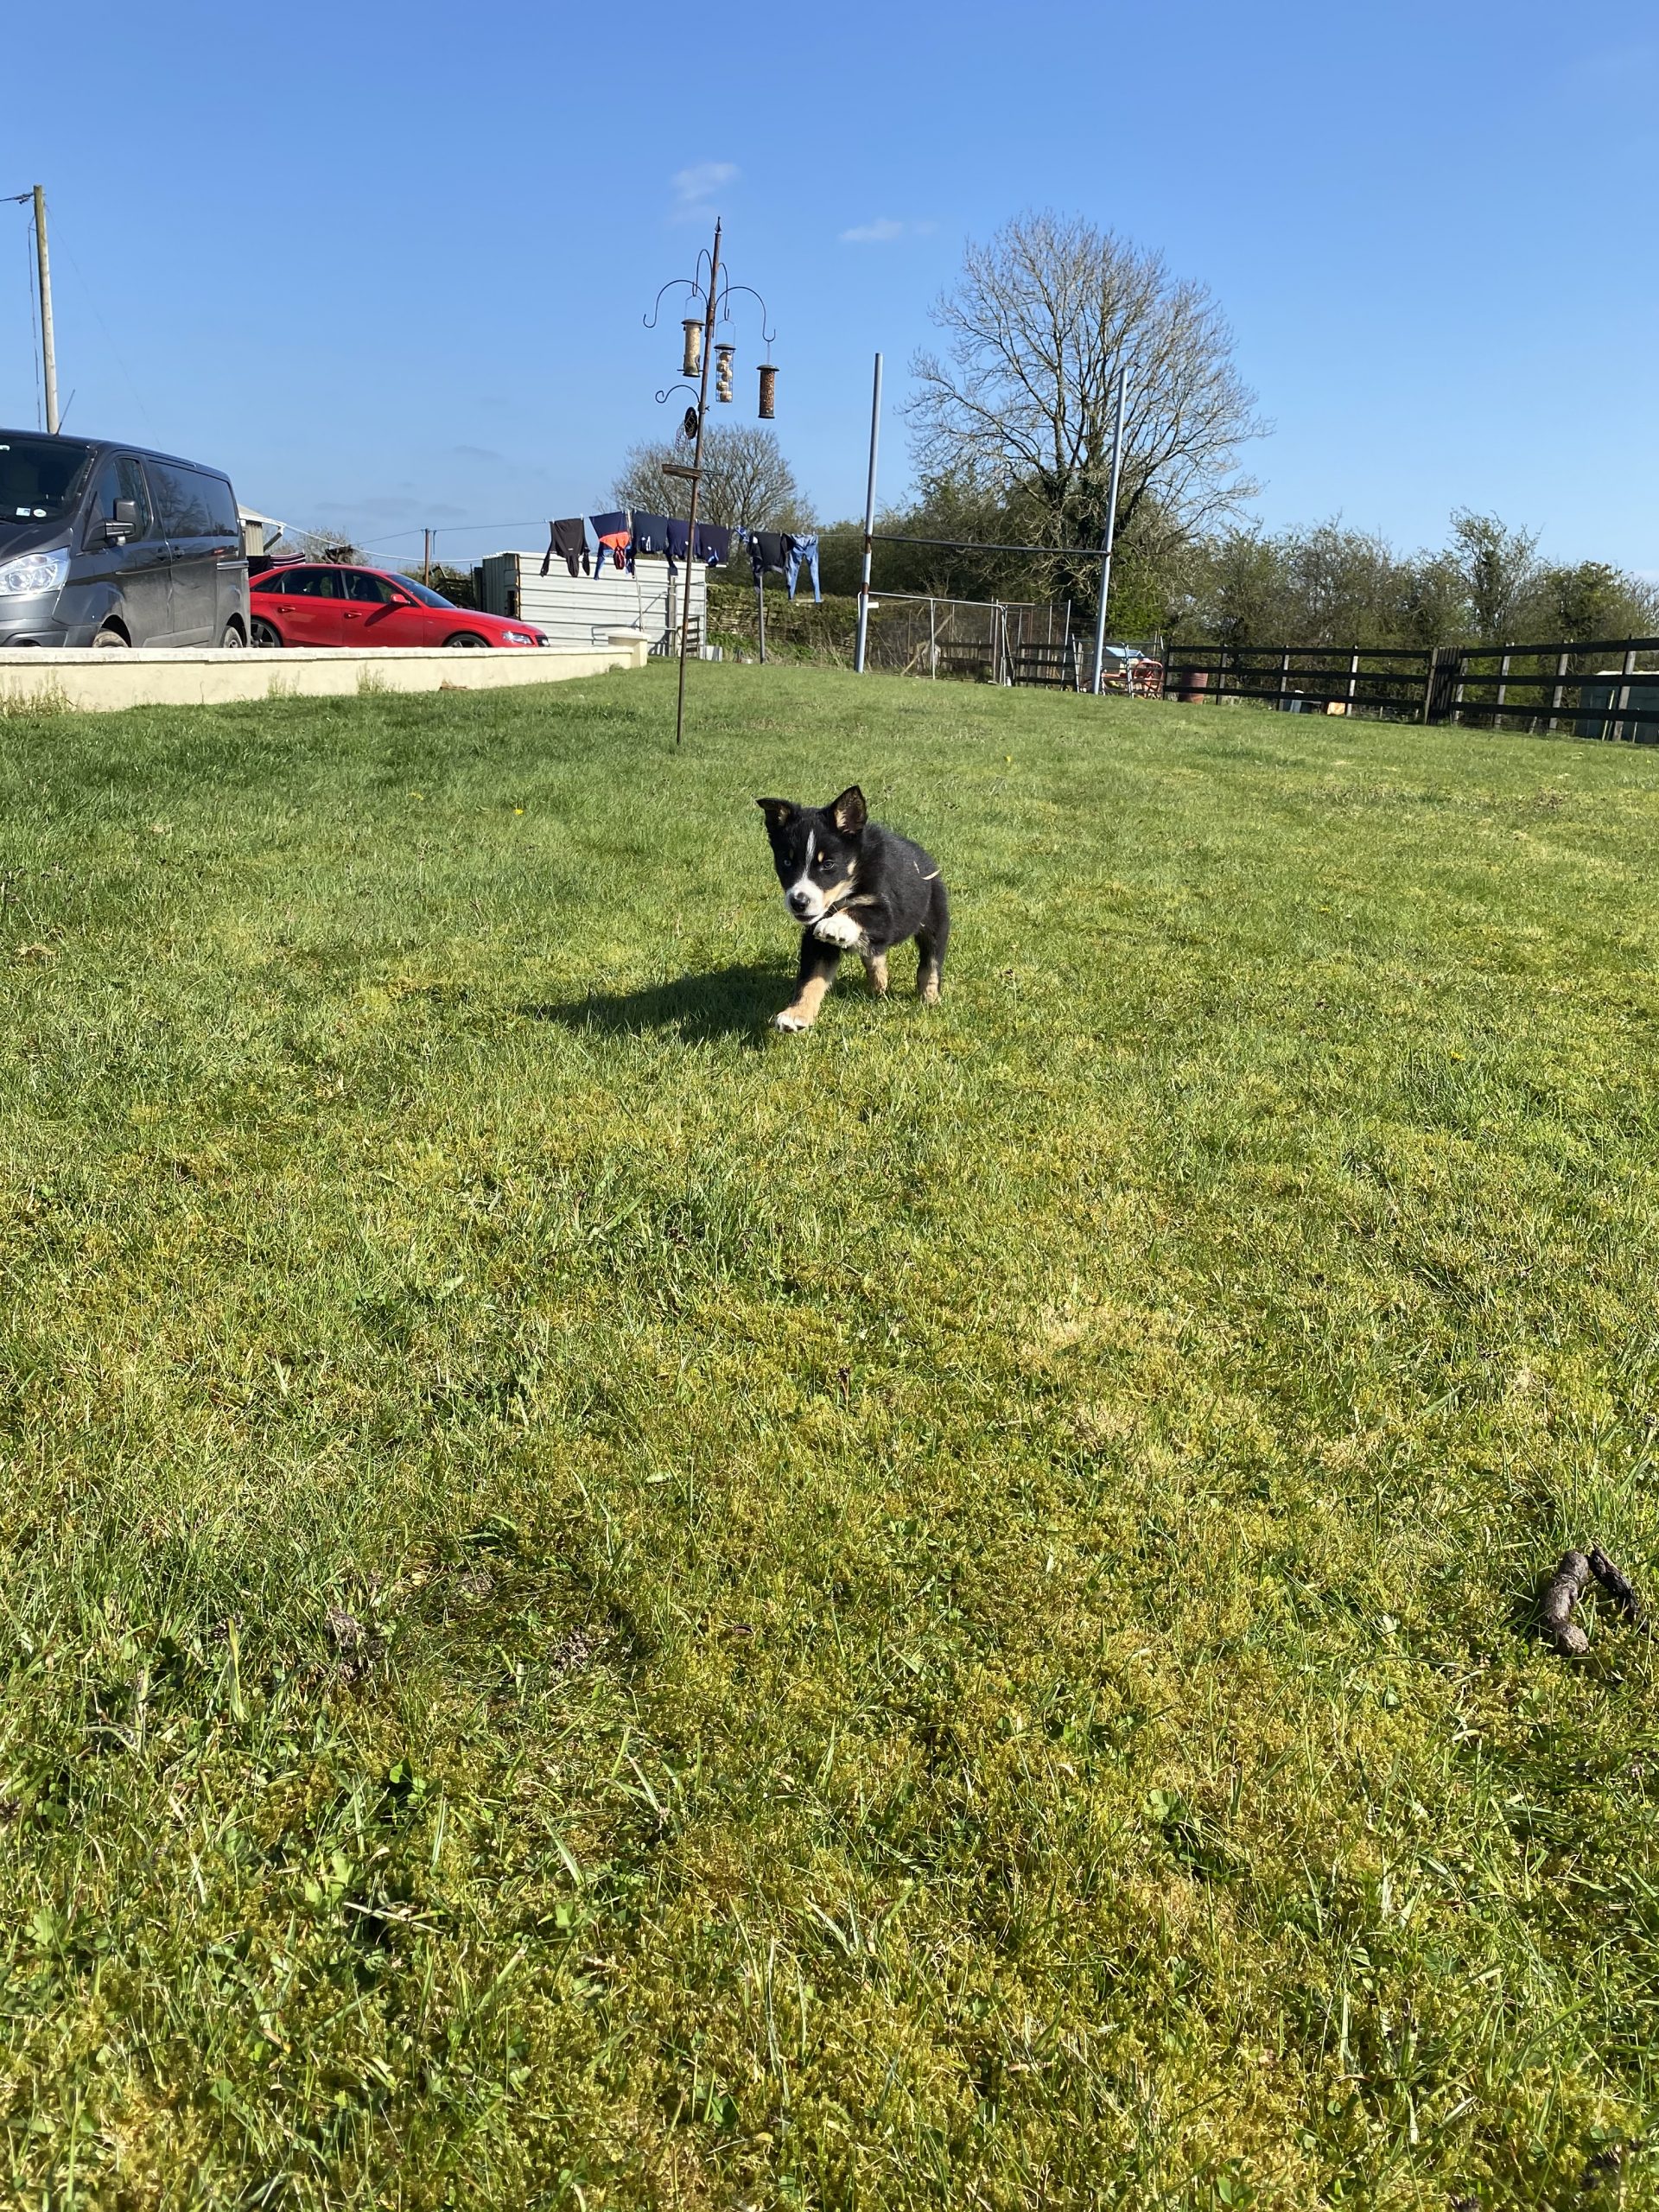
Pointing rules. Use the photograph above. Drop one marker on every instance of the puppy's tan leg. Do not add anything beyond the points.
(803, 1011)
(813, 978)
(875, 973)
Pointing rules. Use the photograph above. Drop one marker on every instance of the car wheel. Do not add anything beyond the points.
(465, 638)
(265, 633)
(109, 636)
(233, 636)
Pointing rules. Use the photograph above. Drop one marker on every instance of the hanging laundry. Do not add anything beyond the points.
(567, 541)
(767, 552)
(615, 537)
(650, 533)
(679, 542)
(801, 552)
(714, 543)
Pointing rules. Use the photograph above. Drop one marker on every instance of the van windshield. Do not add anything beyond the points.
(39, 477)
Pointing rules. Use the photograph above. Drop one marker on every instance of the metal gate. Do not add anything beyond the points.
(974, 640)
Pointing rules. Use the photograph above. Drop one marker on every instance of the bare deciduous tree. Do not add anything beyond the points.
(326, 545)
(746, 482)
(1037, 326)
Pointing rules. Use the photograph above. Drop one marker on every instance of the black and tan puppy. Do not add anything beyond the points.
(854, 888)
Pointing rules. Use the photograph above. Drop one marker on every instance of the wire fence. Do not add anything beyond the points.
(1002, 641)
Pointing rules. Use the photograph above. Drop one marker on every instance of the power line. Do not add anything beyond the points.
(98, 316)
(454, 529)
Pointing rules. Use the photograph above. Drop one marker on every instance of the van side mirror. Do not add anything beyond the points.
(124, 522)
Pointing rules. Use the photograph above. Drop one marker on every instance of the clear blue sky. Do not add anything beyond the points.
(387, 264)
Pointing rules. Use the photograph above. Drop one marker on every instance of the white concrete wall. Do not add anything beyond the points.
(84, 678)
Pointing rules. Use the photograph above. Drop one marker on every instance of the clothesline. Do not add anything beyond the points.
(963, 545)
(582, 541)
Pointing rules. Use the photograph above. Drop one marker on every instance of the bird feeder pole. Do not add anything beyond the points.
(696, 478)
(699, 357)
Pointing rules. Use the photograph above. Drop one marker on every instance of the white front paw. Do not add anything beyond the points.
(838, 929)
(790, 1021)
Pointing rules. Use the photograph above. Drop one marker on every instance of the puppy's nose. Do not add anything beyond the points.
(799, 902)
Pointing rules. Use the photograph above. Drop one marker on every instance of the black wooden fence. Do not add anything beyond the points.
(1595, 687)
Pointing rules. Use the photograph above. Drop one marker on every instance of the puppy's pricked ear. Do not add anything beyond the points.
(779, 812)
(848, 812)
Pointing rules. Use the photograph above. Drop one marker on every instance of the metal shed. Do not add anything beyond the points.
(584, 610)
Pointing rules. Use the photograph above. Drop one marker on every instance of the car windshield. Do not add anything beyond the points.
(424, 593)
(39, 477)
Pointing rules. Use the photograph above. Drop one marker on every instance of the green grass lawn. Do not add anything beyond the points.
(601, 1608)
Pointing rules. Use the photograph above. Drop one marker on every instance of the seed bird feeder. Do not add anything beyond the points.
(723, 359)
(691, 362)
(768, 392)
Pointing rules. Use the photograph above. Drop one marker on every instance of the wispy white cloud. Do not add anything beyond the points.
(695, 189)
(883, 230)
(1626, 69)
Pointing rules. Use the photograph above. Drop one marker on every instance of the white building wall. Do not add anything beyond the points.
(584, 610)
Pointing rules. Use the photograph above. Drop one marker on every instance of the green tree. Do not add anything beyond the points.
(1499, 568)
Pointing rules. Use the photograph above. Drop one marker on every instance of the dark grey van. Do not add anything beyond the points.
(105, 544)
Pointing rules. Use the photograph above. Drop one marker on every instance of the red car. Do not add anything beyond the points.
(316, 603)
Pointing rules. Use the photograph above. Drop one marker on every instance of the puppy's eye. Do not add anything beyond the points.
(822, 860)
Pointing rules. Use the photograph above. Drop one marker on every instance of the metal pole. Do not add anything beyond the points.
(696, 478)
(861, 653)
(1561, 685)
(760, 613)
(1108, 541)
(426, 558)
(1622, 695)
(48, 351)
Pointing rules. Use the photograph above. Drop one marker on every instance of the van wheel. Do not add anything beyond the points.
(266, 634)
(111, 636)
(232, 635)
(467, 637)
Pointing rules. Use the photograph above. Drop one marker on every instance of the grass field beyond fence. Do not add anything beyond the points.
(603, 1609)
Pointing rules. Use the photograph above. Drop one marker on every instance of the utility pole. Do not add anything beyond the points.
(861, 653)
(426, 558)
(1110, 536)
(48, 351)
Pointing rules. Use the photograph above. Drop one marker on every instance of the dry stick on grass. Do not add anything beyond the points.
(1616, 1586)
(1556, 1601)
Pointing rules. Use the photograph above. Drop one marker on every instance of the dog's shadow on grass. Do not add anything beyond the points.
(726, 1003)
